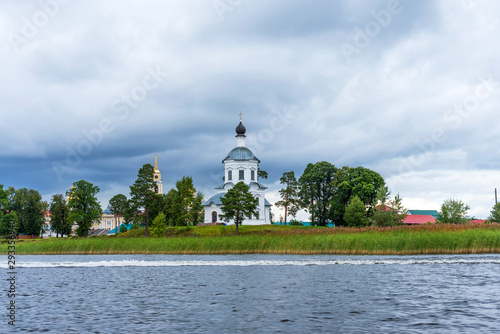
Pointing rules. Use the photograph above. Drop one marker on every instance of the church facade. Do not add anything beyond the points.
(239, 165)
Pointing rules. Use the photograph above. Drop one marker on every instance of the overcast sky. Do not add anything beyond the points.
(93, 89)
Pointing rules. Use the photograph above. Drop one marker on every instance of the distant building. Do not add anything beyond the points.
(157, 177)
(240, 165)
(108, 220)
(432, 213)
(419, 219)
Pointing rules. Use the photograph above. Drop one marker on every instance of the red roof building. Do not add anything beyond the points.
(419, 219)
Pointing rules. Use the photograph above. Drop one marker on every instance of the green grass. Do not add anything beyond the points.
(432, 239)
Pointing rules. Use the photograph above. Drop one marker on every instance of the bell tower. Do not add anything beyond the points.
(157, 177)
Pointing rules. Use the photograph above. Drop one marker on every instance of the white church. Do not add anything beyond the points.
(240, 165)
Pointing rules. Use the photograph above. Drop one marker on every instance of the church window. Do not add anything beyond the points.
(253, 175)
(230, 175)
(214, 216)
(242, 174)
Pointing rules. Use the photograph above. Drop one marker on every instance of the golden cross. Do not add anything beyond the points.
(240, 115)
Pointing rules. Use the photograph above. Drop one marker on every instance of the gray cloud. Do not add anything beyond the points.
(380, 108)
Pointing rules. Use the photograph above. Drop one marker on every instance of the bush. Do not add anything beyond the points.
(123, 228)
(159, 225)
(295, 222)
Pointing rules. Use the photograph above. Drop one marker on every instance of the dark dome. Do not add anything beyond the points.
(240, 129)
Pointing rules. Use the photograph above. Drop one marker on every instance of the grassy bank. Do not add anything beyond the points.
(428, 239)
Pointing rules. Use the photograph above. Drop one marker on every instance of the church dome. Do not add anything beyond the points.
(240, 129)
(241, 153)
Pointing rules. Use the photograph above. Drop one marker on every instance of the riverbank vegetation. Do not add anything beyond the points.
(271, 239)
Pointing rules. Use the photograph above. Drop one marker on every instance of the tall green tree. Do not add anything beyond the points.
(454, 211)
(316, 191)
(117, 205)
(289, 195)
(495, 213)
(143, 191)
(237, 204)
(355, 213)
(186, 195)
(84, 206)
(184, 203)
(196, 210)
(354, 181)
(130, 214)
(173, 208)
(59, 214)
(29, 208)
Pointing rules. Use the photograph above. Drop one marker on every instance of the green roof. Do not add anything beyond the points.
(433, 213)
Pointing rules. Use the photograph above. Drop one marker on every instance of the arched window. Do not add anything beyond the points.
(229, 175)
(242, 174)
(252, 173)
(214, 216)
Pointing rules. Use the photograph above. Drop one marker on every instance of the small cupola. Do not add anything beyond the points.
(240, 129)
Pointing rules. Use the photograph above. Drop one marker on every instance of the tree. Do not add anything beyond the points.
(159, 225)
(316, 191)
(142, 191)
(29, 208)
(495, 213)
(6, 217)
(237, 204)
(289, 195)
(196, 211)
(349, 182)
(130, 213)
(262, 174)
(59, 214)
(173, 208)
(186, 198)
(355, 213)
(9, 223)
(84, 206)
(118, 204)
(453, 211)
(388, 213)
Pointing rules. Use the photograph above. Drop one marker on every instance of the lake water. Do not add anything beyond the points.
(256, 294)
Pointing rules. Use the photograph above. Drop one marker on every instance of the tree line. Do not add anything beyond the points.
(347, 196)
(181, 206)
(354, 196)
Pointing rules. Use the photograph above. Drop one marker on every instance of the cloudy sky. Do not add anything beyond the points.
(93, 89)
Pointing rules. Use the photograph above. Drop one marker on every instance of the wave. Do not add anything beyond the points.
(143, 263)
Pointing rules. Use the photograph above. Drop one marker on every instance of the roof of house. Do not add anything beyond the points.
(383, 207)
(419, 219)
(433, 213)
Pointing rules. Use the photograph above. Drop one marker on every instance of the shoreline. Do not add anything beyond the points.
(483, 239)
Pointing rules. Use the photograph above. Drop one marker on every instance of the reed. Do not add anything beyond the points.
(432, 239)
